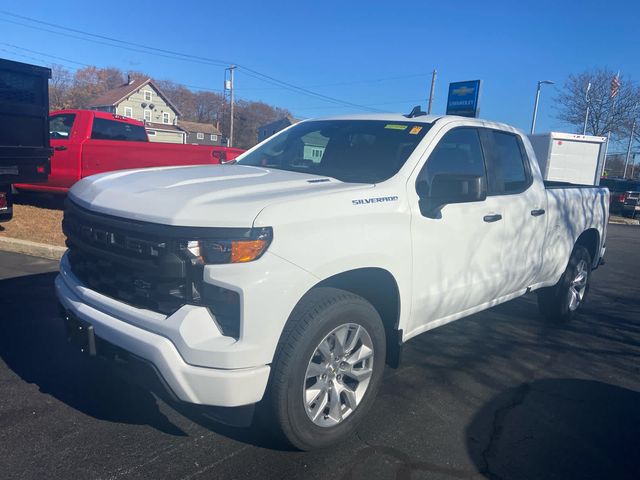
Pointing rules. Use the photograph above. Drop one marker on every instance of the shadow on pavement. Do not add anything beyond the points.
(33, 344)
(40, 199)
(558, 429)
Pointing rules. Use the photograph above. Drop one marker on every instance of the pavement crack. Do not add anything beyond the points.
(497, 429)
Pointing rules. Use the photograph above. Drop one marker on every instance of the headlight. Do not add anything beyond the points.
(240, 250)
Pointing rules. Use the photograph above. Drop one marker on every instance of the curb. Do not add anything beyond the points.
(624, 222)
(8, 244)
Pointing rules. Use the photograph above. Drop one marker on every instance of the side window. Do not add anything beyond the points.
(60, 126)
(508, 172)
(104, 129)
(458, 152)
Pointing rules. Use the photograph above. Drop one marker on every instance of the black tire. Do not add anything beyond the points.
(555, 302)
(318, 314)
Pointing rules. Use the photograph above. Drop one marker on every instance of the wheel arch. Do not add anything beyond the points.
(590, 239)
(379, 287)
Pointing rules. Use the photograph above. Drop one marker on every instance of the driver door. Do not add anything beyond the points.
(457, 255)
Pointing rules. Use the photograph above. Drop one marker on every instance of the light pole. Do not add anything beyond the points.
(633, 127)
(535, 105)
(586, 115)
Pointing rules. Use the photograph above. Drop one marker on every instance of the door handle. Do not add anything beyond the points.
(60, 148)
(538, 212)
(492, 218)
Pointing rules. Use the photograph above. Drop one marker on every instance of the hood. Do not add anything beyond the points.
(204, 195)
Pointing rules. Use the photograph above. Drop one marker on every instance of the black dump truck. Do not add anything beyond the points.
(24, 128)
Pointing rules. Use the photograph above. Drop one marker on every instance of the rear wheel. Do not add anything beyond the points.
(560, 302)
(327, 369)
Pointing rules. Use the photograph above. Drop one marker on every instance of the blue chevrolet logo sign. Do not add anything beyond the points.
(464, 98)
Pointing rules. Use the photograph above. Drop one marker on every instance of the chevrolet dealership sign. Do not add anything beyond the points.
(464, 98)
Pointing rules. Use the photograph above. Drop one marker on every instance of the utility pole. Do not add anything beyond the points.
(433, 88)
(228, 85)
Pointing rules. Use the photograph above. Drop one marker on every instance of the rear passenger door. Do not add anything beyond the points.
(524, 202)
(114, 145)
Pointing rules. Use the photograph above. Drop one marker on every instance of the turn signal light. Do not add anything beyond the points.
(247, 250)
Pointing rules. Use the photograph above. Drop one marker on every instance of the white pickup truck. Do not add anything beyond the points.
(290, 277)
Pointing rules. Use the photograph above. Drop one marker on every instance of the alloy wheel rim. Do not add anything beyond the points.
(578, 286)
(338, 375)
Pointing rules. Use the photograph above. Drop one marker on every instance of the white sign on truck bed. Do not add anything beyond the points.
(567, 157)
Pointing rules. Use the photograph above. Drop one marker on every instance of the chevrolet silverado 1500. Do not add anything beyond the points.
(290, 277)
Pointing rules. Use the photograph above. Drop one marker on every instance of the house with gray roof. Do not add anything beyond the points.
(141, 99)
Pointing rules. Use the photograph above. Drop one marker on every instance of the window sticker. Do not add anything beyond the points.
(392, 126)
(415, 130)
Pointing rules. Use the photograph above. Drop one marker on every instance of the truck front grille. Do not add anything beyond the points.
(116, 258)
(146, 265)
(130, 285)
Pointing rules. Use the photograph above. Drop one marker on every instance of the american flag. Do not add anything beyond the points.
(615, 85)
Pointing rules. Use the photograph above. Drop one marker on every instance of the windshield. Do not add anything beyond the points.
(359, 151)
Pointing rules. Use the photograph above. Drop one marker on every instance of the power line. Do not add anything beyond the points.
(111, 39)
(177, 55)
(46, 55)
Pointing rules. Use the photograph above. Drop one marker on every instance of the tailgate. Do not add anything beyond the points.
(632, 199)
(24, 122)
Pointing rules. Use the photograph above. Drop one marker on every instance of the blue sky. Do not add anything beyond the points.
(371, 53)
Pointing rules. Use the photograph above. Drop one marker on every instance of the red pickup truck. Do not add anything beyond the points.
(86, 142)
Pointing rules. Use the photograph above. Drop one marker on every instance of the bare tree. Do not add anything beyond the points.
(79, 90)
(251, 115)
(607, 112)
(59, 86)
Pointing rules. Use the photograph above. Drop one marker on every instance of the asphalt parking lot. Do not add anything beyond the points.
(498, 395)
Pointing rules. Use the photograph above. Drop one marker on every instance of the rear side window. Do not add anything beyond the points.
(60, 126)
(104, 129)
(508, 164)
(459, 151)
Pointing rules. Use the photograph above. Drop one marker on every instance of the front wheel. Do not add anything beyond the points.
(327, 369)
(560, 302)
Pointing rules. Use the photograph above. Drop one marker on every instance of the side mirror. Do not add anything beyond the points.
(449, 188)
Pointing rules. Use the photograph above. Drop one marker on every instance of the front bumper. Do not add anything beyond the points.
(189, 383)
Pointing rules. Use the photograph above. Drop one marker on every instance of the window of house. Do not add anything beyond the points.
(151, 133)
(128, 112)
(508, 172)
(147, 115)
(200, 136)
(458, 152)
(148, 95)
(104, 129)
(165, 117)
(214, 138)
